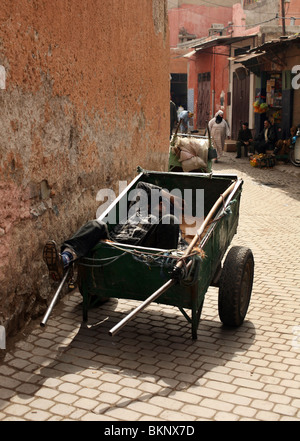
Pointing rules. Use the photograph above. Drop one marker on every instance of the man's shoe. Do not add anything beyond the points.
(53, 261)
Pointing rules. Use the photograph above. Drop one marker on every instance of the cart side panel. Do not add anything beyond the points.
(108, 272)
(216, 243)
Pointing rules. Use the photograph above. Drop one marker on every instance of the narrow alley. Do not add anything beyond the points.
(152, 370)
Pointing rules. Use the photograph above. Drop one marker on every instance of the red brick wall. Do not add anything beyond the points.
(86, 100)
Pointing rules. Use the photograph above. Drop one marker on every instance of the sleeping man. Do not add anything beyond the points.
(147, 226)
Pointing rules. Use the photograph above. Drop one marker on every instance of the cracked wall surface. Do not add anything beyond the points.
(86, 101)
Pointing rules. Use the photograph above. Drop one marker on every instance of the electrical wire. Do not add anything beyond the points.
(277, 17)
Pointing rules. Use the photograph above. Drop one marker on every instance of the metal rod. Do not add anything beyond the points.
(142, 306)
(54, 300)
(145, 303)
(171, 282)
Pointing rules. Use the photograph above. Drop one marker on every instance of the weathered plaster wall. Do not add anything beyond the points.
(217, 65)
(86, 100)
(260, 17)
(239, 19)
(196, 19)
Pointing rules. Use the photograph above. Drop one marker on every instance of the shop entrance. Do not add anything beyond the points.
(274, 101)
(279, 98)
(179, 89)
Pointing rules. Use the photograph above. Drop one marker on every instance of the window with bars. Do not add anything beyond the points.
(203, 77)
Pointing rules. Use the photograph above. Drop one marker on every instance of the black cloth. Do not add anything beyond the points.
(141, 228)
(244, 135)
(271, 135)
(164, 235)
(86, 238)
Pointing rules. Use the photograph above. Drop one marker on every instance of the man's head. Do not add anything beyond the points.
(155, 201)
(245, 126)
(266, 124)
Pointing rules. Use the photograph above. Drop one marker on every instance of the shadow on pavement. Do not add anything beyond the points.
(156, 347)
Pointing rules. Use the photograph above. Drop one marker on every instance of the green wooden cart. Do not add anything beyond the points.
(114, 270)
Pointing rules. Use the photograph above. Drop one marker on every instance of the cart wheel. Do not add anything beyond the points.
(236, 286)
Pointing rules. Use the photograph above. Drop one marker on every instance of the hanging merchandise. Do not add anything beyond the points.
(259, 104)
(274, 96)
(264, 107)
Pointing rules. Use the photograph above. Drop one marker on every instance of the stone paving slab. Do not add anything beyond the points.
(152, 370)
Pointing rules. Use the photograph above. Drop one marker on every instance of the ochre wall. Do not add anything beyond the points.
(217, 65)
(197, 19)
(86, 100)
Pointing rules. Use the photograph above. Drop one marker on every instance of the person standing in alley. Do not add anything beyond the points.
(184, 118)
(219, 130)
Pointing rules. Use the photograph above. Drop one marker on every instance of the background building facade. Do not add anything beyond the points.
(207, 41)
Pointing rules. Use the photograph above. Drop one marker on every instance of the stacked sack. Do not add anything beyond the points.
(192, 153)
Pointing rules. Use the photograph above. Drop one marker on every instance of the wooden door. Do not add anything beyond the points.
(240, 103)
(203, 103)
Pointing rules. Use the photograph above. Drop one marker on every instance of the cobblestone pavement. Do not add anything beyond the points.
(152, 370)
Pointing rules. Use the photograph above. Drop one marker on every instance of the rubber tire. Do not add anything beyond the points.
(235, 287)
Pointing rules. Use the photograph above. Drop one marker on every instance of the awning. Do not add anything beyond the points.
(245, 57)
(224, 40)
(252, 61)
(189, 54)
(208, 42)
(271, 50)
(280, 43)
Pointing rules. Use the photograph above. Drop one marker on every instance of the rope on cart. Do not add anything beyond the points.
(138, 253)
(163, 259)
(166, 261)
(109, 260)
(226, 211)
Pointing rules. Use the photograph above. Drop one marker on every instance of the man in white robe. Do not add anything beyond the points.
(219, 130)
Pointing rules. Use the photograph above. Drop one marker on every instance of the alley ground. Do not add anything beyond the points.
(152, 370)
